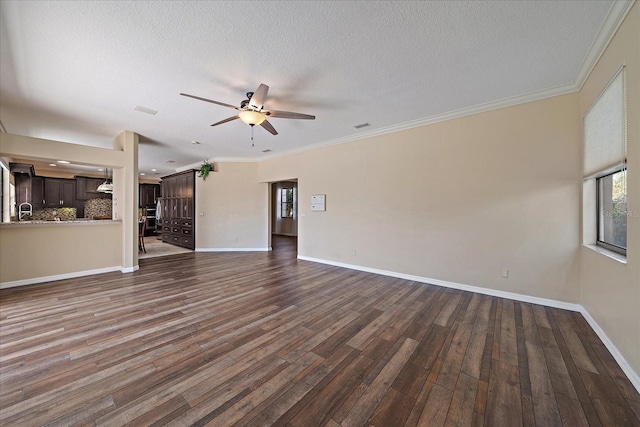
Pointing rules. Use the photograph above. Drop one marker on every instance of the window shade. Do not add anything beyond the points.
(605, 129)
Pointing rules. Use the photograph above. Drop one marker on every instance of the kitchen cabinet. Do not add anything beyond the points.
(148, 194)
(87, 188)
(59, 192)
(29, 189)
(37, 191)
(178, 209)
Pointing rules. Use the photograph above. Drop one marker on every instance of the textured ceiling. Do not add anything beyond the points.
(74, 71)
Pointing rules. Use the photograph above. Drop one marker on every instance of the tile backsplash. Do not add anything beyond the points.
(45, 214)
(98, 208)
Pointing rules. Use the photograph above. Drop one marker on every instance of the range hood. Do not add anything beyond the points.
(22, 168)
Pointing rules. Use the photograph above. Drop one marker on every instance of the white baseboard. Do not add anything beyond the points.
(233, 249)
(470, 288)
(130, 269)
(622, 362)
(33, 281)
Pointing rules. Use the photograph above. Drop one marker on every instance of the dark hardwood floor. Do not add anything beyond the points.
(261, 339)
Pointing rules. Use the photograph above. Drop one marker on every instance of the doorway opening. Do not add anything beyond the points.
(283, 213)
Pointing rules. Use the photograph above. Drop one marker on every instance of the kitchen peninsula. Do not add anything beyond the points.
(37, 253)
(73, 248)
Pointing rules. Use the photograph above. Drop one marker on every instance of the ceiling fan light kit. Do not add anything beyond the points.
(251, 110)
(251, 117)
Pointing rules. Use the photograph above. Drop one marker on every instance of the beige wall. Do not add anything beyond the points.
(610, 290)
(458, 201)
(234, 205)
(37, 251)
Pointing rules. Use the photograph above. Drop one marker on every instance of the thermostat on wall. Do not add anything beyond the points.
(317, 202)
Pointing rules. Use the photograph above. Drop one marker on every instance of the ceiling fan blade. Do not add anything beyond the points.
(209, 100)
(257, 100)
(289, 115)
(265, 124)
(225, 120)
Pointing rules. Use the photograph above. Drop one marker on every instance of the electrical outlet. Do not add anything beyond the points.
(505, 274)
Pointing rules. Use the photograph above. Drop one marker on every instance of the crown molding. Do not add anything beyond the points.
(463, 112)
(612, 22)
(618, 11)
(219, 160)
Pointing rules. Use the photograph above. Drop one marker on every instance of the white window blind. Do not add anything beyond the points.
(605, 129)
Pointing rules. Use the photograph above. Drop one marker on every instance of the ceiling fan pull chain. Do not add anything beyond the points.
(252, 127)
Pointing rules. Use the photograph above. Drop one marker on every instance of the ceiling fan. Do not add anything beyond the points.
(252, 111)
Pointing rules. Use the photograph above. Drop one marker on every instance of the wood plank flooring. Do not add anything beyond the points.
(260, 339)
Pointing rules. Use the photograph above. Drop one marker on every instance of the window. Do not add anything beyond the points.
(612, 211)
(605, 175)
(286, 202)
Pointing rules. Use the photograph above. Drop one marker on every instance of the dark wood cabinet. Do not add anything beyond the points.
(92, 189)
(68, 192)
(87, 188)
(59, 192)
(178, 209)
(29, 189)
(148, 194)
(37, 191)
(81, 186)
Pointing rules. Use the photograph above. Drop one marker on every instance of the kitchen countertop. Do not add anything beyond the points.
(77, 221)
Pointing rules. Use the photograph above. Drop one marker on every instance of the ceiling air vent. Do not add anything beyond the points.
(145, 110)
(362, 125)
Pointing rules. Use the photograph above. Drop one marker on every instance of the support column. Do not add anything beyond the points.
(125, 198)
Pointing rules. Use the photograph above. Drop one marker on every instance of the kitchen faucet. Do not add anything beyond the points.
(28, 211)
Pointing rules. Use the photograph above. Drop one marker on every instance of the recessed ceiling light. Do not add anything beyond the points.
(267, 150)
(142, 173)
(145, 110)
(362, 125)
(52, 164)
(153, 170)
(63, 162)
(171, 161)
(195, 142)
(100, 170)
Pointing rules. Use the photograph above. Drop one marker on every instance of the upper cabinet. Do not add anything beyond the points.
(59, 192)
(29, 189)
(148, 195)
(87, 188)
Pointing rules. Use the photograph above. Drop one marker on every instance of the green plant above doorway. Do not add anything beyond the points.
(204, 170)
